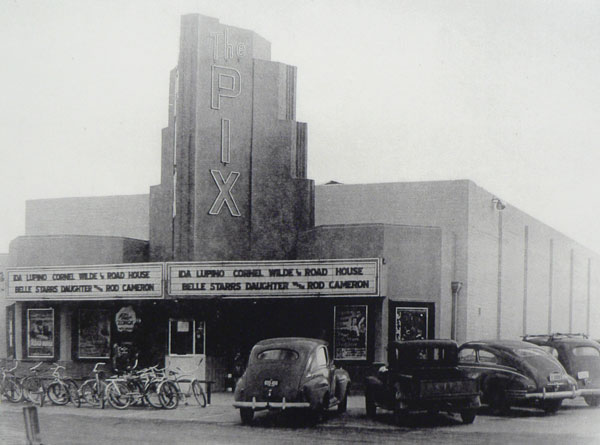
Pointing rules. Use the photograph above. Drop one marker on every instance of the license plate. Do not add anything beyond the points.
(271, 383)
(555, 376)
(583, 375)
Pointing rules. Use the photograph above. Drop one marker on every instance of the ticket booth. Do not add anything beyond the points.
(187, 346)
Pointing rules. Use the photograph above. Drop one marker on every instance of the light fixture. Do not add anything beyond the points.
(499, 204)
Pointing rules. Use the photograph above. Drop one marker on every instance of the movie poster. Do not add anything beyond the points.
(94, 333)
(350, 333)
(411, 323)
(40, 330)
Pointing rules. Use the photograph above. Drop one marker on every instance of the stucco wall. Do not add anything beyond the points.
(539, 275)
(120, 215)
(436, 204)
(75, 250)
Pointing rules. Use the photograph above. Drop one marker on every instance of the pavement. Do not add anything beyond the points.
(220, 410)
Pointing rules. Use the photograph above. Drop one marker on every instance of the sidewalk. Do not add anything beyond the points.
(220, 410)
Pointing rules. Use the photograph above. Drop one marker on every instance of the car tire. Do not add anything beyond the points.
(400, 415)
(246, 415)
(343, 403)
(551, 406)
(468, 416)
(498, 401)
(592, 400)
(370, 406)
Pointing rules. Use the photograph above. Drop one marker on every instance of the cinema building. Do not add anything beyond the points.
(236, 244)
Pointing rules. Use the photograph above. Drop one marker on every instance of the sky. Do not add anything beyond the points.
(504, 93)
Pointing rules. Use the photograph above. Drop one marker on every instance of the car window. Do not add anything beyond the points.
(550, 350)
(321, 358)
(529, 352)
(278, 354)
(467, 355)
(587, 351)
(487, 357)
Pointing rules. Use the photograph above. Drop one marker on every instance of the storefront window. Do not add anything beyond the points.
(94, 333)
(40, 333)
(350, 332)
(186, 337)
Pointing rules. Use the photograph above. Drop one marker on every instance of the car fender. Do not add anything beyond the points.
(315, 389)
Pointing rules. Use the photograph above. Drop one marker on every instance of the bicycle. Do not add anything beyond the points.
(34, 390)
(10, 386)
(62, 390)
(93, 391)
(170, 390)
(138, 388)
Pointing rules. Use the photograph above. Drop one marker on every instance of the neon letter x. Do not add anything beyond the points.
(225, 196)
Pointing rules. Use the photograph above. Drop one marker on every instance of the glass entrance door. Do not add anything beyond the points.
(187, 343)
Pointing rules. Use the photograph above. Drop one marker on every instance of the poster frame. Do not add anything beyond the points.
(336, 349)
(79, 333)
(53, 327)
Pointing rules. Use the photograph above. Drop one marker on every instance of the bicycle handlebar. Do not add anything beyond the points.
(98, 365)
(12, 369)
(36, 366)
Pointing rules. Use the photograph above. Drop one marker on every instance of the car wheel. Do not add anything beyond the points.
(400, 415)
(551, 406)
(498, 401)
(468, 416)
(370, 405)
(592, 400)
(246, 414)
(343, 404)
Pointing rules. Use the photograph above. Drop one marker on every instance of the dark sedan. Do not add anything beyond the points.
(291, 373)
(581, 358)
(517, 373)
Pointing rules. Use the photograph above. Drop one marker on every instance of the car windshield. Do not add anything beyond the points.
(426, 354)
(278, 354)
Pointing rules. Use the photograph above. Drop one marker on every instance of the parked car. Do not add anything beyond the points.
(517, 373)
(580, 356)
(422, 375)
(291, 373)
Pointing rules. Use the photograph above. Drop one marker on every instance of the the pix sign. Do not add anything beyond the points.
(353, 277)
(125, 281)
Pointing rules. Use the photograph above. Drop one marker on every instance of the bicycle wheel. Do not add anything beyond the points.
(168, 395)
(58, 393)
(151, 395)
(199, 393)
(73, 391)
(136, 392)
(118, 395)
(12, 390)
(93, 392)
(33, 390)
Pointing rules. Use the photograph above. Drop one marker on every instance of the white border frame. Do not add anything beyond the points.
(366, 306)
(53, 333)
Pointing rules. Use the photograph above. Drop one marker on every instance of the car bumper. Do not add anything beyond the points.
(544, 395)
(258, 405)
(589, 391)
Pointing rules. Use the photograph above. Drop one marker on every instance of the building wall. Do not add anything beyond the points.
(536, 280)
(121, 215)
(232, 134)
(3, 304)
(411, 269)
(75, 250)
(442, 204)
(519, 275)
